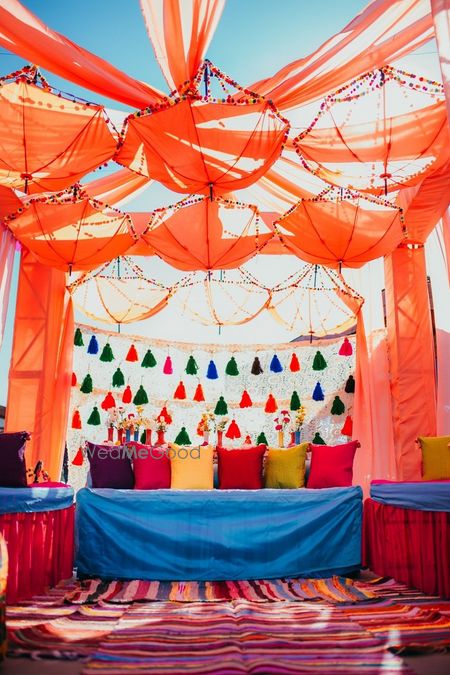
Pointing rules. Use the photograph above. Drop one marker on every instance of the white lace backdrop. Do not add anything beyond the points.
(160, 387)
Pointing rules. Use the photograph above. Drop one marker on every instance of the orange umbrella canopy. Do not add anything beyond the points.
(119, 292)
(72, 231)
(341, 231)
(360, 140)
(200, 144)
(204, 234)
(48, 142)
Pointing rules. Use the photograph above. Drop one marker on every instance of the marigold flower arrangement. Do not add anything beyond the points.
(207, 420)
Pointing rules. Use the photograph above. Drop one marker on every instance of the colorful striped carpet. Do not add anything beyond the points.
(349, 627)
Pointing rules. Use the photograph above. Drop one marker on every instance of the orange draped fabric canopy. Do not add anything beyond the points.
(48, 142)
(72, 232)
(337, 231)
(204, 234)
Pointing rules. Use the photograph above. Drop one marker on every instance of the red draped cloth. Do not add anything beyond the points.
(411, 546)
(40, 550)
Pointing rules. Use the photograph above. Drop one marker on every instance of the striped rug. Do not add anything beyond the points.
(336, 590)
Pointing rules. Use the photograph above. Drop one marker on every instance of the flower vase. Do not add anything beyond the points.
(280, 439)
(148, 437)
(127, 435)
(205, 437)
(297, 436)
(160, 438)
(136, 435)
(292, 441)
(110, 434)
(120, 436)
(219, 437)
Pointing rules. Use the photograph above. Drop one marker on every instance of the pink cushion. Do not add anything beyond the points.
(332, 465)
(241, 469)
(151, 467)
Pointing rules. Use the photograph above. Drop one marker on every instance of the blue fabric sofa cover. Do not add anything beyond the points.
(218, 534)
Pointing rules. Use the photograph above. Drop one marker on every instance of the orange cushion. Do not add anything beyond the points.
(435, 457)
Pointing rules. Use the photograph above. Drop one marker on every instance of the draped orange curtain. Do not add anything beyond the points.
(440, 10)
(180, 33)
(411, 356)
(41, 363)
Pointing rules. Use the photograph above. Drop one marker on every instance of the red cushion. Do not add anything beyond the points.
(332, 465)
(241, 468)
(151, 467)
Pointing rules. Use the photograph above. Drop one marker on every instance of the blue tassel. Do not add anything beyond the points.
(211, 373)
(93, 346)
(275, 365)
(318, 393)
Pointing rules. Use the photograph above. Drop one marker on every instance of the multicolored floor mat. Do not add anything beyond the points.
(329, 627)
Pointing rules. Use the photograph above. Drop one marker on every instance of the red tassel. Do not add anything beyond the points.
(79, 458)
(74, 380)
(346, 348)
(165, 415)
(180, 391)
(271, 405)
(233, 431)
(108, 401)
(199, 395)
(294, 365)
(248, 440)
(76, 420)
(127, 395)
(132, 354)
(347, 429)
(246, 401)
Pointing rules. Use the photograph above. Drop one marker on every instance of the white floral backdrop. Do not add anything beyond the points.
(160, 387)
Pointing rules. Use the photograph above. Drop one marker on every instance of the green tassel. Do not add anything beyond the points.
(149, 360)
(118, 379)
(318, 440)
(262, 440)
(140, 397)
(183, 437)
(191, 366)
(319, 362)
(78, 338)
(94, 417)
(295, 401)
(86, 387)
(338, 407)
(221, 407)
(232, 368)
(107, 354)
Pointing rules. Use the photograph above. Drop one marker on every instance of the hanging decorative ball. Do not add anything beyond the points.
(233, 431)
(94, 417)
(271, 404)
(78, 338)
(191, 366)
(74, 380)
(199, 395)
(346, 348)
(221, 407)
(246, 401)
(256, 367)
(319, 362)
(108, 402)
(93, 345)
(318, 440)
(231, 368)
(294, 365)
(212, 373)
(149, 360)
(183, 437)
(107, 353)
(350, 385)
(132, 355)
(140, 397)
(295, 401)
(347, 429)
(338, 406)
(318, 393)
(180, 391)
(127, 395)
(79, 458)
(262, 440)
(76, 420)
(118, 379)
(167, 368)
(86, 386)
(275, 365)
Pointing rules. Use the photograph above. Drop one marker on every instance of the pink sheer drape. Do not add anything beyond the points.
(440, 10)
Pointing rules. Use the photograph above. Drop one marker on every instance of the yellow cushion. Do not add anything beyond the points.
(435, 457)
(192, 467)
(285, 467)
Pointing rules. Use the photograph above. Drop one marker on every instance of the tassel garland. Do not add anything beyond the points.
(140, 397)
(318, 440)
(108, 402)
(149, 360)
(246, 401)
(231, 368)
(94, 417)
(74, 380)
(346, 348)
(319, 362)
(93, 345)
(79, 458)
(118, 379)
(132, 355)
(262, 440)
(127, 395)
(180, 391)
(275, 365)
(86, 386)
(191, 366)
(295, 401)
(183, 437)
(167, 368)
(350, 385)
(76, 420)
(212, 373)
(256, 367)
(318, 393)
(107, 354)
(271, 404)
(347, 429)
(221, 407)
(338, 406)
(78, 338)
(199, 395)
(294, 365)
(233, 431)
